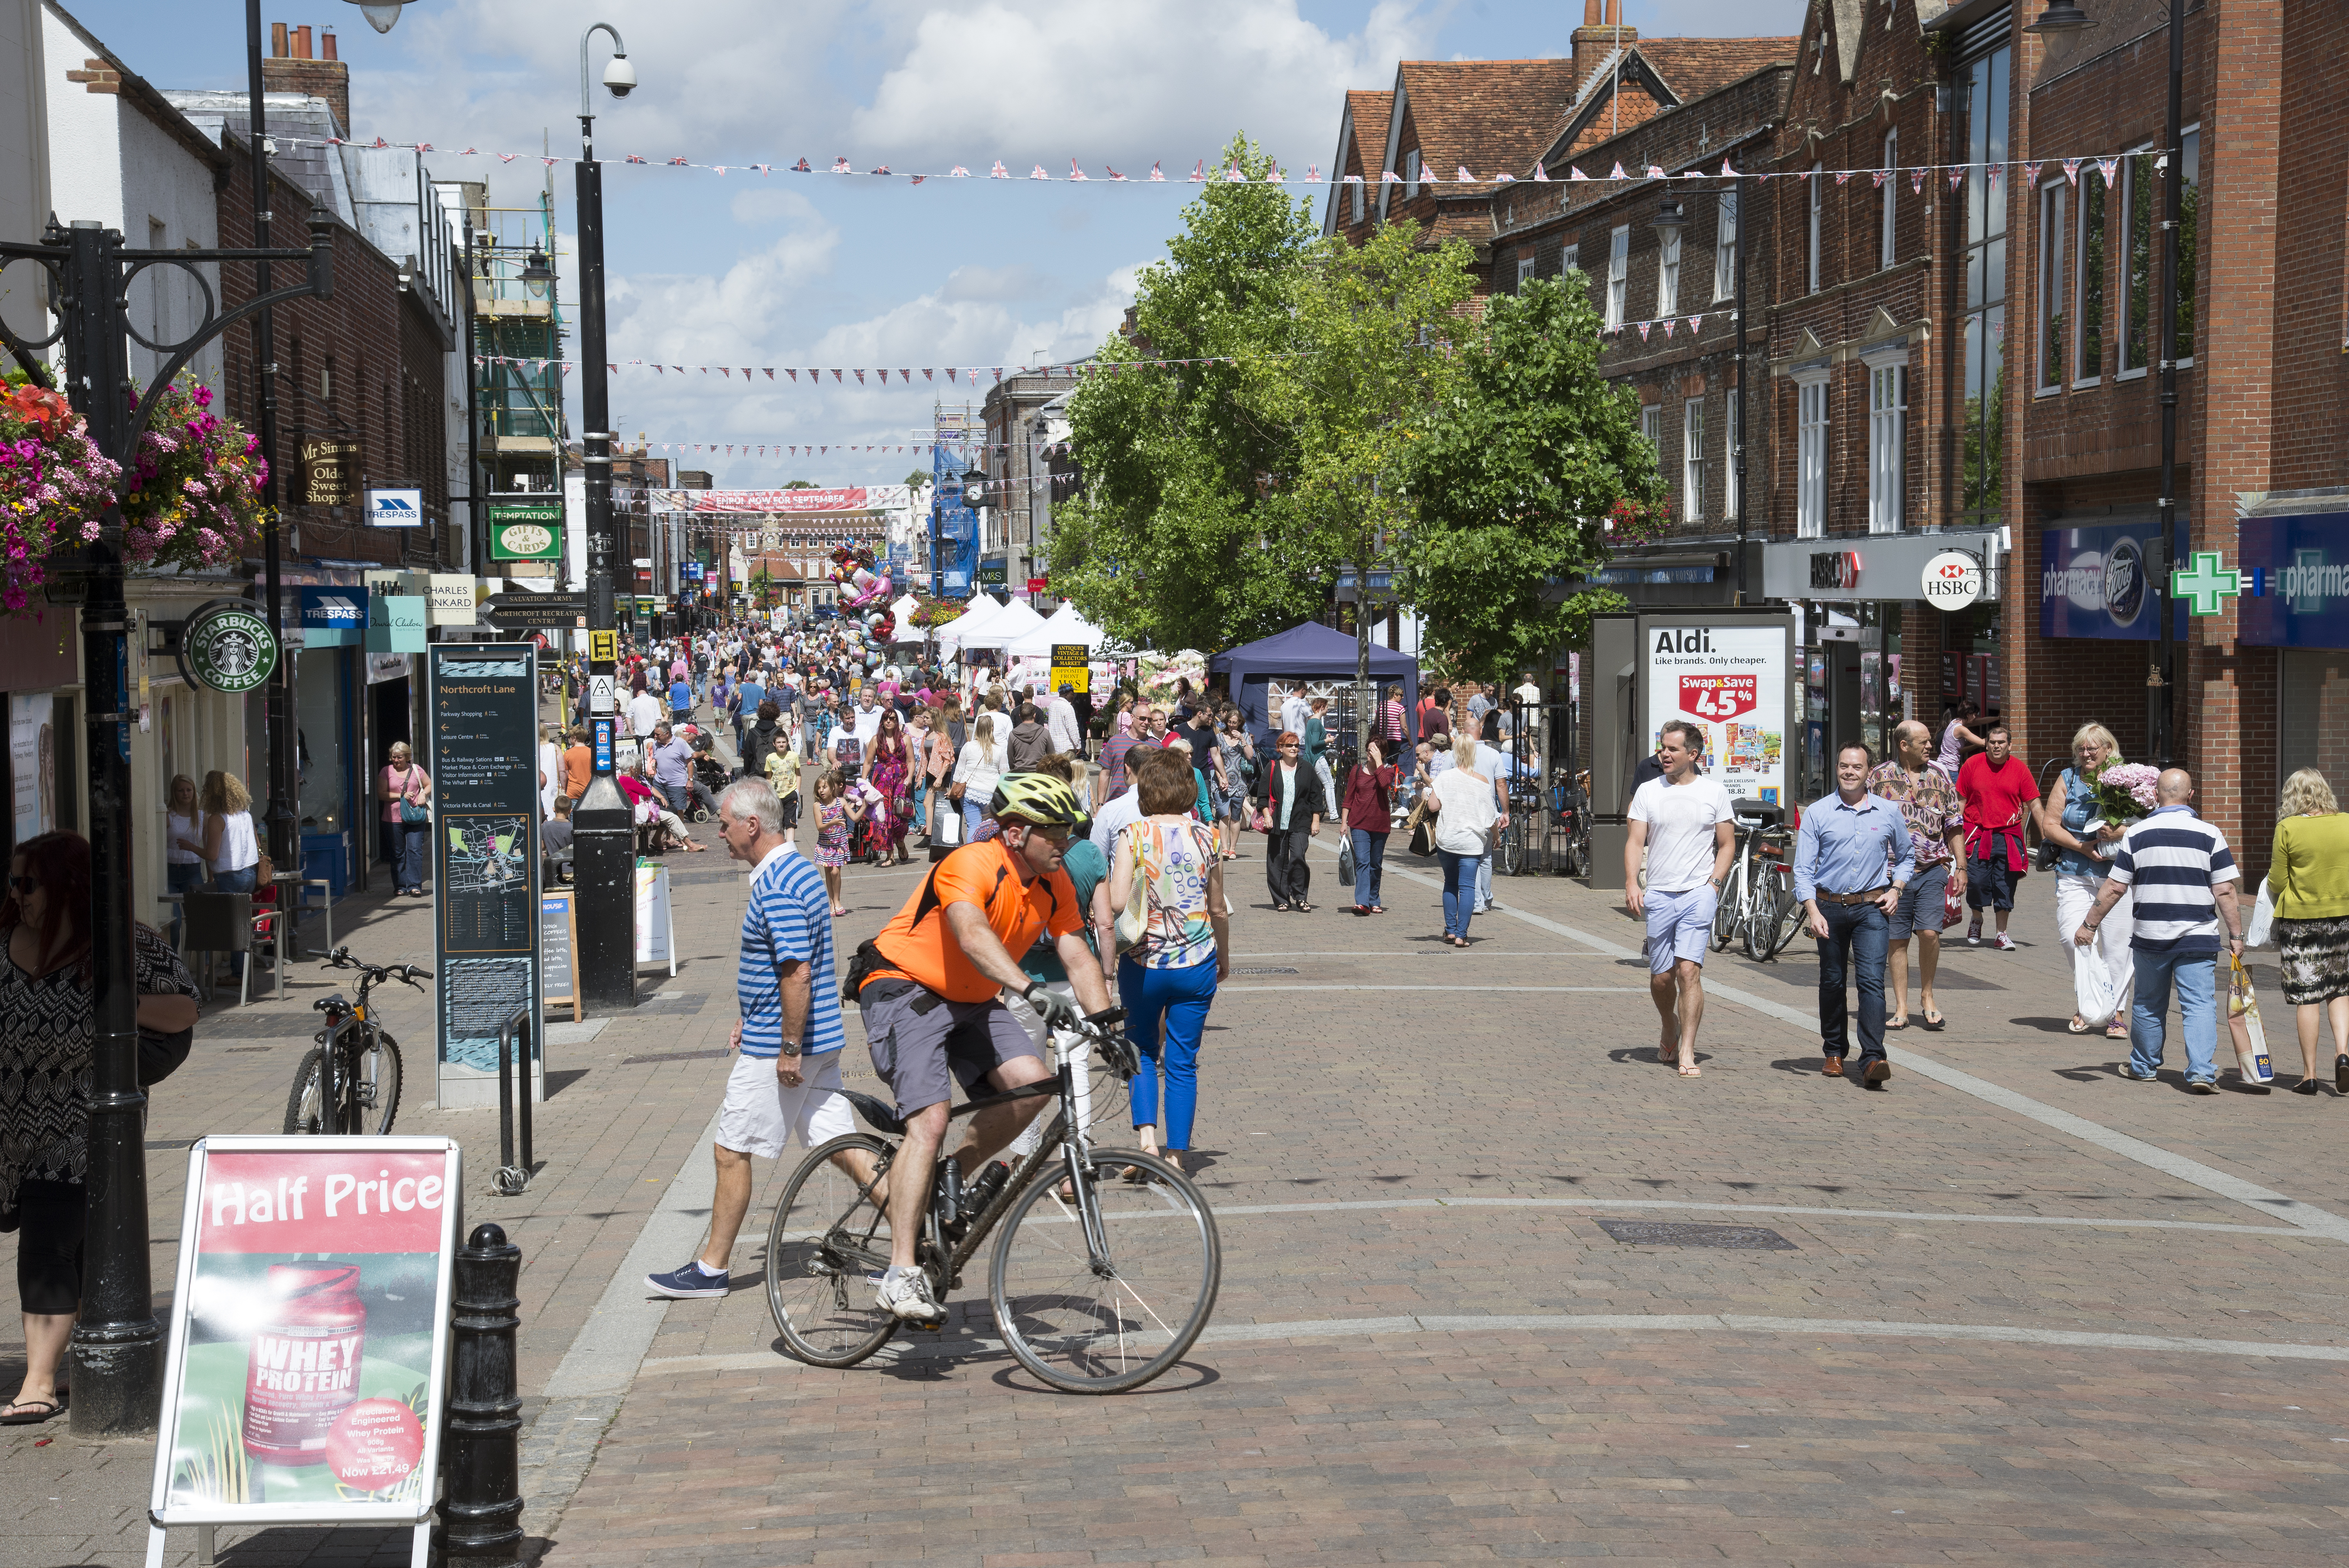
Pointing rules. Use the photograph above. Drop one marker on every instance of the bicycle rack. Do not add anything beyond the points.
(510, 1178)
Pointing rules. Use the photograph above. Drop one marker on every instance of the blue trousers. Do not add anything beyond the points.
(184, 878)
(1459, 891)
(974, 811)
(1858, 934)
(244, 879)
(2197, 978)
(407, 853)
(1369, 859)
(1180, 997)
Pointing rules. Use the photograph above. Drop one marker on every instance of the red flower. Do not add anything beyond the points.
(38, 406)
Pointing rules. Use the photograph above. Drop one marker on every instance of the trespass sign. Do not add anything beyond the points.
(309, 1332)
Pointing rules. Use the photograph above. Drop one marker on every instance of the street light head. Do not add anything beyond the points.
(2060, 16)
(1668, 221)
(536, 275)
(620, 77)
(381, 14)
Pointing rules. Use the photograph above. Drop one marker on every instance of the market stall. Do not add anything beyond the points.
(1311, 653)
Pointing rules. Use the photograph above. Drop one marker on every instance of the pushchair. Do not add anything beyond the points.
(710, 779)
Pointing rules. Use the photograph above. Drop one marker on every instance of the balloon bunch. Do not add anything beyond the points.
(861, 588)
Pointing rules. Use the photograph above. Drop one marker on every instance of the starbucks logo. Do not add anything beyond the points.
(225, 646)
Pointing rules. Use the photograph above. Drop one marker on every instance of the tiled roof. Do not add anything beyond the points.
(1689, 68)
(1371, 112)
(1484, 115)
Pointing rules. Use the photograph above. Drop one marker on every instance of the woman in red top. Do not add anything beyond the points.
(1369, 817)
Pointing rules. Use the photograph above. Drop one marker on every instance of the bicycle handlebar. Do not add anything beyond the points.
(407, 973)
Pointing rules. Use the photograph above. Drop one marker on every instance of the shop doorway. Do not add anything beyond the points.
(388, 724)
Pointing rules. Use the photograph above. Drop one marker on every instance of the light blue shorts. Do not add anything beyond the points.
(1680, 926)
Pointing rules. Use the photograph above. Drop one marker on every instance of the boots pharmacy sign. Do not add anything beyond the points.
(1731, 679)
(307, 1368)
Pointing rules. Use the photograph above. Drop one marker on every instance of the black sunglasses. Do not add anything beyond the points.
(24, 885)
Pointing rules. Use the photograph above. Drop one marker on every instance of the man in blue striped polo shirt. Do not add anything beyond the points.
(786, 1082)
(2184, 877)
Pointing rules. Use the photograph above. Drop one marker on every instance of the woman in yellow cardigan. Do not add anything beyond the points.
(2308, 876)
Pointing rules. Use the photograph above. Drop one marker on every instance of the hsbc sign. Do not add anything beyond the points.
(1952, 580)
(1835, 569)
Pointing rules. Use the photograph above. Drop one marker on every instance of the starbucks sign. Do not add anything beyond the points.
(225, 646)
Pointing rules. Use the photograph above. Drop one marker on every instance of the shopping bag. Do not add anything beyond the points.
(2256, 934)
(2244, 1023)
(1346, 866)
(1953, 898)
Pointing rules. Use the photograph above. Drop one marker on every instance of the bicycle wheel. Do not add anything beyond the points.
(375, 1088)
(1728, 914)
(1088, 1330)
(825, 1251)
(302, 1105)
(1781, 919)
(1510, 859)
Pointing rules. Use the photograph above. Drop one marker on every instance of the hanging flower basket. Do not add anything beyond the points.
(54, 485)
(193, 497)
(1636, 520)
(936, 613)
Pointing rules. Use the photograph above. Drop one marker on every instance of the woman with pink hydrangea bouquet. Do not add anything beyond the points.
(2088, 809)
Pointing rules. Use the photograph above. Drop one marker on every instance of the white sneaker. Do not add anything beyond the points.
(2005, 943)
(908, 1296)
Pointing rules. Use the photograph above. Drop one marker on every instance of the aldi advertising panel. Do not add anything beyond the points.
(1733, 680)
(2097, 582)
(306, 1374)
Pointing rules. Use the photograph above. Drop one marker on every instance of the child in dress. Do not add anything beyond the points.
(835, 816)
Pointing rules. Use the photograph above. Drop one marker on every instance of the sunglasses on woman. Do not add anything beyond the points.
(24, 885)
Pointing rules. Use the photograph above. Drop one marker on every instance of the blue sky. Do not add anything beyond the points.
(809, 271)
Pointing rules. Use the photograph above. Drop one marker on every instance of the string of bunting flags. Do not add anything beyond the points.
(1232, 173)
(869, 376)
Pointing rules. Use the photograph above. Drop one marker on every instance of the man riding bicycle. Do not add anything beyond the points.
(929, 989)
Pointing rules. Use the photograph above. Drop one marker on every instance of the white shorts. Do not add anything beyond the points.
(762, 1113)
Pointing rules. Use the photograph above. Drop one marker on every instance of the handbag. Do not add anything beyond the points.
(1423, 831)
(411, 815)
(161, 1056)
(1134, 921)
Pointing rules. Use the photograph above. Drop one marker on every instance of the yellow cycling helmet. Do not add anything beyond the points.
(1038, 797)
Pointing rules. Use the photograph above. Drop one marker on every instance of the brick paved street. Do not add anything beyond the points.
(2026, 1311)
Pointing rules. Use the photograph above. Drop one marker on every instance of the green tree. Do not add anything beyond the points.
(1511, 480)
(1179, 538)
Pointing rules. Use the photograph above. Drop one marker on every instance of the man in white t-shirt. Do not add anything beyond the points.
(1685, 825)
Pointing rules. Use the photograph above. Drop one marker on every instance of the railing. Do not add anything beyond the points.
(513, 1090)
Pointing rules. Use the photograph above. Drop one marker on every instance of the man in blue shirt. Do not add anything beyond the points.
(1848, 840)
(748, 693)
(786, 1083)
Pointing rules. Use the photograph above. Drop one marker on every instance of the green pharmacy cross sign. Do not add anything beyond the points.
(2206, 584)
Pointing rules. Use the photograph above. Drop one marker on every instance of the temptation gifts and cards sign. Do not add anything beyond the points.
(307, 1373)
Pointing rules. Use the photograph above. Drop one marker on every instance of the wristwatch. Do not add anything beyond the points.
(789, 1047)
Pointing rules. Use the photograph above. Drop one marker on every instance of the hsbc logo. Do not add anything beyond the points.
(1952, 580)
(1835, 569)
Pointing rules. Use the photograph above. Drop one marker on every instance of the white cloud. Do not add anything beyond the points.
(1145, 79)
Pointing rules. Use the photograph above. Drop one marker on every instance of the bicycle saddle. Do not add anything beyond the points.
(333, 1004)
(876, 1113)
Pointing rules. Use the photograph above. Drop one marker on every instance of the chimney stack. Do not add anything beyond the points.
(1602, 29)
(327, 42)
(293, 68)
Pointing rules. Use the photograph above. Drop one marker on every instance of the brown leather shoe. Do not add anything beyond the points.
(1878, 1072)
(1833, 1067)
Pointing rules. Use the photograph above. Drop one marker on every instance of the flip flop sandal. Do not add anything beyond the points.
(1934, 1021)
(35, 1412)
(1900, 1023)
(2078, 1024)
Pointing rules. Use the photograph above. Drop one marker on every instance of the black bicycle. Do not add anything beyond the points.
(1098, 1283)
(365, 1093)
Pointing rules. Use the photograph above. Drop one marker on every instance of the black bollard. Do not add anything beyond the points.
(481, 1505)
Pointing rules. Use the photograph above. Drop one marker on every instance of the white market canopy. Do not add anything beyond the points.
(1063, 626)
(983, 609)
(1006, 627)
(904, 610)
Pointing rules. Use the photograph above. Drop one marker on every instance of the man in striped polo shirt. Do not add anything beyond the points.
(2184, 877)
(786, 1082)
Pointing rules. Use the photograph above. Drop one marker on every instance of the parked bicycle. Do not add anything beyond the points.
(1758, 905)
(1098, 1284)
(365, 1059)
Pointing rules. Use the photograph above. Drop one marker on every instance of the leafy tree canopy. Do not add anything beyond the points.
(1518, 465)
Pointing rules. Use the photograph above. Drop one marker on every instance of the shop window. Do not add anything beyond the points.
(1733, 441)
(2052, 233)
(1693, 460)
(1524, 269)
(1811, 456)
(1984, 96)
(1888, 445)
(2088, 264)
(1887, 249)
(1619, 274)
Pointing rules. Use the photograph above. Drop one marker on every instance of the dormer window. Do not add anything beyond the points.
(1410, 175)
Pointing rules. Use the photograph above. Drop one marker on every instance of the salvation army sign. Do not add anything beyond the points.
(1952, 580)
